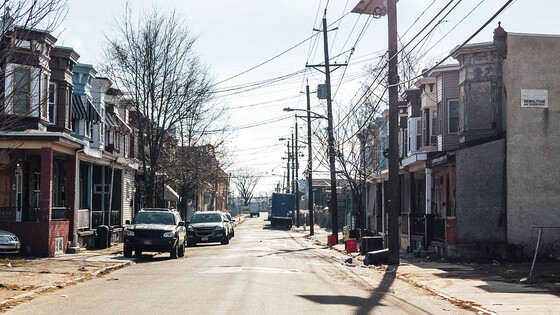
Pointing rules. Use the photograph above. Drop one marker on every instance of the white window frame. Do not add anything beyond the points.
(52, 120)
(449, 116)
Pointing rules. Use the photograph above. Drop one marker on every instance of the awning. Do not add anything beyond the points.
(169, 194)
(78, 109)
(84, 111)
(123, 125)
(93, 114)
(111, 120)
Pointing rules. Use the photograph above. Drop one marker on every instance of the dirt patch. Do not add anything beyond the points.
(28, 276)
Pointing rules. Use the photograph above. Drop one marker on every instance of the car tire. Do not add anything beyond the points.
(174, 252)
(127, 252)
(138, 253)
(225, 240)
(182, 250)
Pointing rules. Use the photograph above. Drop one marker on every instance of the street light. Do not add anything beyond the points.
(310, 159)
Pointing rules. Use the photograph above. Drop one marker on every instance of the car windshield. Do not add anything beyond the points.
(155, 218)
(228, 217)
(206, 217)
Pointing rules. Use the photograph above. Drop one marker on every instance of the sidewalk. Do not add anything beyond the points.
(486, 289)
(23, 278)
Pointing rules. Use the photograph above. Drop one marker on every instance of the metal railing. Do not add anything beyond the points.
(418, 225)
(556, 240)
(7, 214)
(439, 229)
(59, 214)
(97, 218)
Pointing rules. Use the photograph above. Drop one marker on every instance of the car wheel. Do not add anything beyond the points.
(232, 233)
(225, 240)
(127, 252)
(174, 253)
(182, 250)
(138, 253)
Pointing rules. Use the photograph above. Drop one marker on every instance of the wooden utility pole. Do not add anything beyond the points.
(296, 170)
(394, 197)
(309, 166)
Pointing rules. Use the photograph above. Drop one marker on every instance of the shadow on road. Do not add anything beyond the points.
(364, 305)
(287, 251)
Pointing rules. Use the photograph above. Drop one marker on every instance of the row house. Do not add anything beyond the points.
(65, 163)
(476, 174)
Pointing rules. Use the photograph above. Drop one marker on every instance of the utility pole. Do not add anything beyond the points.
(333, 207)
(296, 169)
(309, 166)
(334, 199)
(288, 166)
(394, 197)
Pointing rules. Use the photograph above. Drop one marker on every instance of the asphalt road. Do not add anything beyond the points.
(261, 271)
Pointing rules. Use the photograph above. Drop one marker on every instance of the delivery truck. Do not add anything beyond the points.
(254, 209)
(282, 209)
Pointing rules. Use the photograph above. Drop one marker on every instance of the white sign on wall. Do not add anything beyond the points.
(534, 98)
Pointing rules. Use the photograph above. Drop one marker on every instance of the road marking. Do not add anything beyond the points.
(251, 269)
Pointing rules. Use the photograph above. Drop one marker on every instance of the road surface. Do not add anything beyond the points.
(261, 271)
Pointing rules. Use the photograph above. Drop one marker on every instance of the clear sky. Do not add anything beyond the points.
(234, 36)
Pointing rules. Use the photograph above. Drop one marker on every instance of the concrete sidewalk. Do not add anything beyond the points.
(468, 285)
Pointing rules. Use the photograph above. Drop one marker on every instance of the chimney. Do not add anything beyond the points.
(500, 39)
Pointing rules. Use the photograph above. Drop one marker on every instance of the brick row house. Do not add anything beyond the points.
(69, 153)
(477, 140)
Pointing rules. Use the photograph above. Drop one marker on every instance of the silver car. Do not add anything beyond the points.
(9, 242)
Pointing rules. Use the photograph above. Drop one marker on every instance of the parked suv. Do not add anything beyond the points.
(155, 230)
(208, 226)
(231, 224)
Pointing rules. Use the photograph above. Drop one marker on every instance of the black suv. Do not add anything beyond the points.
(155, 230)
(208, 226)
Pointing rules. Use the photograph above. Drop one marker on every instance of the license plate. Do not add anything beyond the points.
(147, 242)
(204, 238)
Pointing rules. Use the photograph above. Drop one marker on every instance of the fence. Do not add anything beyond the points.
(548, 244)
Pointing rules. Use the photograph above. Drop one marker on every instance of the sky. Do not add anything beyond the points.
(275, 39)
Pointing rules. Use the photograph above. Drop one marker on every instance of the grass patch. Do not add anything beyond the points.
(13, 262)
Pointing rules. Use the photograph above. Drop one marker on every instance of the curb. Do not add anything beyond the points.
(64, 284)
(460, 303)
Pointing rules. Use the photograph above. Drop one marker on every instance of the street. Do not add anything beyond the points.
(261, 271)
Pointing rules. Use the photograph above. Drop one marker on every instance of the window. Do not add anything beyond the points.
(52, 103)
(68, 97)
(44, 96)
(433, 132)
(453, 116)
(22, 91)
(426, 127)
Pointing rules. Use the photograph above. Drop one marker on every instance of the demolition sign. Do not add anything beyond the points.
(534, 98)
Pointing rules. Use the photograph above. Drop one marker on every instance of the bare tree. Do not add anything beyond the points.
(155, 62)
(245, 181)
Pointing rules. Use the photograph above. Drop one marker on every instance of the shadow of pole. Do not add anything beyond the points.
(380, 291)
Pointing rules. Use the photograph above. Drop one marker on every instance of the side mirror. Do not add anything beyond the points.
(127, 222)
(181, 223)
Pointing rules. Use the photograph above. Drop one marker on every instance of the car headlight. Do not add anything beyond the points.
(190, 228)
(129, 232)
(169, 234)
(218, 228)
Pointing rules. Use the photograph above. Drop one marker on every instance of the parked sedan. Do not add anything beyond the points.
(9, 242)
(231, 224)
(208, 226)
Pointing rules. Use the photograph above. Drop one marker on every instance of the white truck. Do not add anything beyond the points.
(254, 209)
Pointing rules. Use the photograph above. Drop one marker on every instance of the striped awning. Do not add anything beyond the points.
(93, 114)
(78, 109)
(84, 111)
(111, 120)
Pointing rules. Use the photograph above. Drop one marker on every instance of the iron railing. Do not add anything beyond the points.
(418, 225)
(439, 229)
(59, 214)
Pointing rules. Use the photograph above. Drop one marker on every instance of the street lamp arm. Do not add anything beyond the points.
(288, 109)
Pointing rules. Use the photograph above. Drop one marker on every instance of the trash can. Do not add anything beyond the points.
(103, 236)
(371, 243)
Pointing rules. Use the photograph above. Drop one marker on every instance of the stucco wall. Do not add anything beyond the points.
(480, 209)
(533, 139)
